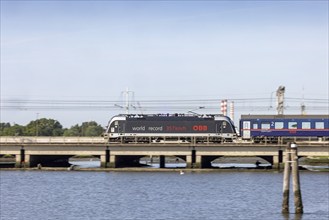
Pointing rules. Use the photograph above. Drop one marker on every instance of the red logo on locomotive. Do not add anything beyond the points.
(200, 128)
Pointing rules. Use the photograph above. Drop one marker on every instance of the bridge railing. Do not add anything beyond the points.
(12, 140)
(50, 140)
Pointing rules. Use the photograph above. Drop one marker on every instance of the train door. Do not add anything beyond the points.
(119, 127)
(246, 130)
(219, 128)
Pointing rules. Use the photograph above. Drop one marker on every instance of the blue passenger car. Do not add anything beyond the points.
(270, 127)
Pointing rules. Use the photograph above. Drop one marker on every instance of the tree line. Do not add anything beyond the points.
(50, 127)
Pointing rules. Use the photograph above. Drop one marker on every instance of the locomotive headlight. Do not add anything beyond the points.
(293, 145)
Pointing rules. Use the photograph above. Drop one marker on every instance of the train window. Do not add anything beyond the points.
(319, 125)
(292, 125)
(306, 125)
(265, 125)
(255, 126)
(278, 125)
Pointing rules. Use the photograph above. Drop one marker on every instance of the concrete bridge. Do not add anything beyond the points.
(56, 151)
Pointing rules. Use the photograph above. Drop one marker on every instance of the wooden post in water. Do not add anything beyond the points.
(291, 161)
(286, 181)
(295, 180)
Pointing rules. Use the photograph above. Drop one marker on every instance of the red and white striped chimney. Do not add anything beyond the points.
(223, 107)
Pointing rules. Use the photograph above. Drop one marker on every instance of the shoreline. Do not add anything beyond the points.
(140, 169)
(136, 169)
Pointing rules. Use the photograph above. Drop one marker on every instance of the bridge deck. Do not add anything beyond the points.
(35, 150)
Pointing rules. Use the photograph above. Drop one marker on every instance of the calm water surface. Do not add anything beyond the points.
(157, 195)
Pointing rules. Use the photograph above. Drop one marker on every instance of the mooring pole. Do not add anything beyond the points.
(291, 161)
(295, 180)
(286, 180)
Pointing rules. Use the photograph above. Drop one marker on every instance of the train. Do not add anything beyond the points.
(170, 127)
(215, 128)
(271, 128)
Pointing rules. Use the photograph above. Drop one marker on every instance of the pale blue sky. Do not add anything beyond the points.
(93, 50)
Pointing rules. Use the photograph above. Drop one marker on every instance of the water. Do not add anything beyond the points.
(97, 163)
(157, 195)
(87, 164)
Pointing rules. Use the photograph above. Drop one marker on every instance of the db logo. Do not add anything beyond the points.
(200, 128)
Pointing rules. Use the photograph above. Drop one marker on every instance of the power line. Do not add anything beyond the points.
(243, 104)
(58, 101)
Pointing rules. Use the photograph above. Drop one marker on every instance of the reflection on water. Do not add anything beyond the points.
(240, 165)
(316, 168)
(86, 162)
(167, 165)
(94, 163)
(293, 216)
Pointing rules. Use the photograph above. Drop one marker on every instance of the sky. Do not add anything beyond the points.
(57, 51)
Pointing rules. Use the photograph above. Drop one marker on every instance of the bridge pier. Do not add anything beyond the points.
(191, 159)
(189, 162)
(198, 162)
(27, 162)
(103, 161)
(275, 160)
(112, 161)
(116, 161)
(202, 161)
(20, 158)
(276, 163)
(22, 161)
(18, 161)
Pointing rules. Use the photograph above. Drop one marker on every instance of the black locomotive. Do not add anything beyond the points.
(170, 128)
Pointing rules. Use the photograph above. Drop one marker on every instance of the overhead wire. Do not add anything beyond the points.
(245, 104)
